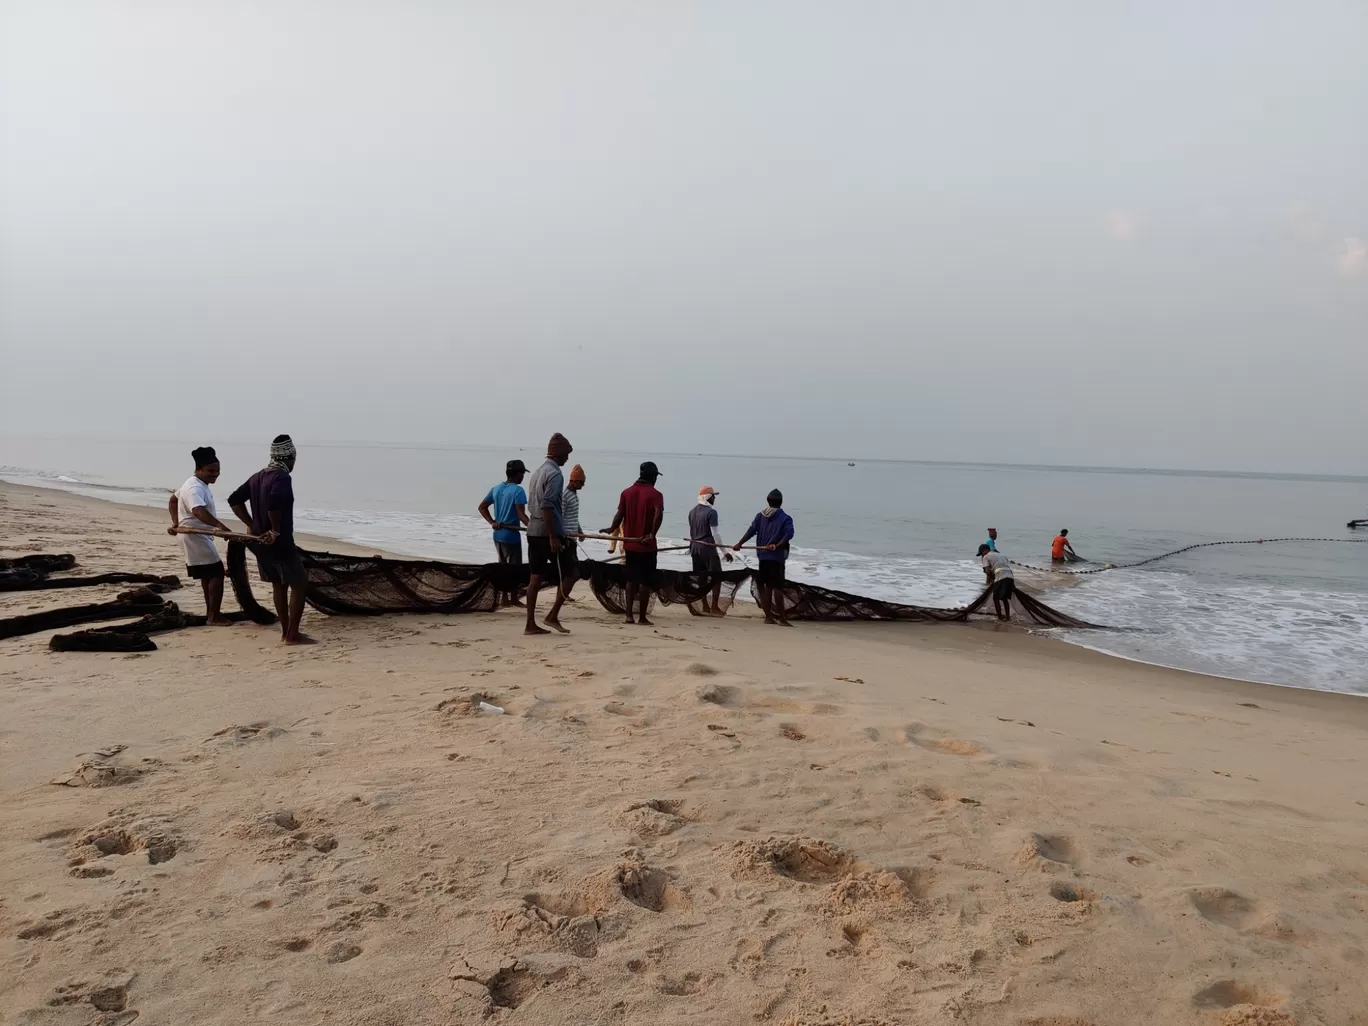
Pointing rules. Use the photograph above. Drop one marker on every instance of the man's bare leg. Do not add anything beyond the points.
(631, 601)
(643, 603)
(553, 614)
(213, 602)
(295, 612)
(777, 601)
(533, 586)
(766, 602)
(281, 596)
(717, 598)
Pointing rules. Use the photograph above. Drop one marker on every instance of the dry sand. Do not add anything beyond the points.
(710, 822)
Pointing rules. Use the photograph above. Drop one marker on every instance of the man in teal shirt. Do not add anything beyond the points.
(509, 503)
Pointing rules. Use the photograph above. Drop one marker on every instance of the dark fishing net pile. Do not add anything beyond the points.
(154, 614)
(30, 573)
(372, 585)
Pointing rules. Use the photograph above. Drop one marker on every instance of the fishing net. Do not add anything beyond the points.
(128, 637)
(809, 601)
(353, 585)
(129, 603)
(31, 573)
(372, 585)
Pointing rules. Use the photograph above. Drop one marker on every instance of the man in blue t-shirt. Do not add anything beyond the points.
(509, 502)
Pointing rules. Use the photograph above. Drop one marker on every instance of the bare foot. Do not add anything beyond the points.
(555, 625)
(298, 639)
(771, 621)
(645, 622)
(517, 603)
(534, 629)
(218, 621)
(785, 623)
(629, 620)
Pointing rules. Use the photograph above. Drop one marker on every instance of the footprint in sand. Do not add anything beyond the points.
(1066, 893)
(797, 858)
(1236, 912)
(1226, 908)
(916, 734)
(655, 817)
(1230, 993)
(1049, 850)
(720, 694)
(144, 838)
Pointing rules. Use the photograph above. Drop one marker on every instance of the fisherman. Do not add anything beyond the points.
(1000, 578)
(992, 539)
(547, 549)
(574, 533)
(271, 492)
(772, 530)
(192, 505)
(641, 508)
(706, 546)
(1061, 551)
(510, 509)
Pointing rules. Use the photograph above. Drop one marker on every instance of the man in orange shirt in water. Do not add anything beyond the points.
(1060, 549)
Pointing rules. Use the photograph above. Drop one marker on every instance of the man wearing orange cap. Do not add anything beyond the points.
(705, 542)
(573, 532)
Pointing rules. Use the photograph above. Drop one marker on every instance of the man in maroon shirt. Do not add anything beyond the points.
(640, 512)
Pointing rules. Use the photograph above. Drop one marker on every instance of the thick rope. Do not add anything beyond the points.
(1176, 552)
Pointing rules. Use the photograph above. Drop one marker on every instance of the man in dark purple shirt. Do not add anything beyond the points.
(271, 493)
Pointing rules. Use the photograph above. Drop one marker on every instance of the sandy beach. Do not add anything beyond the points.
(710, 822)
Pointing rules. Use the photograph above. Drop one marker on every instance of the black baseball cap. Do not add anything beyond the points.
(516, 467)
(649, 469)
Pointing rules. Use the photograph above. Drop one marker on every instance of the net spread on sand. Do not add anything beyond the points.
(372, 585)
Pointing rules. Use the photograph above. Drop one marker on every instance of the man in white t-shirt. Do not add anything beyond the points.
(1000, 578)
(192, 505)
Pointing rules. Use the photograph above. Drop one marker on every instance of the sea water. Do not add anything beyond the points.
(1287, 613)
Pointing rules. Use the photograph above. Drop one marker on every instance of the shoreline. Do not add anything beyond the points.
(710, 821)
(1059, 647)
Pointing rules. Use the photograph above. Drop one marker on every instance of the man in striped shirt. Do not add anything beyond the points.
(570, 514)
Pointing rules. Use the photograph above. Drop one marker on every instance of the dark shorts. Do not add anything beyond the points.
(509, 552)
(1059, 559)
(205, 571)
(282, 568)
(770, 572)
(708, 563)
(545, 563)
(1004, 589)
(641, 568)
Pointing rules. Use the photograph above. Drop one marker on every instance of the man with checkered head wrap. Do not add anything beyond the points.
(271, 519)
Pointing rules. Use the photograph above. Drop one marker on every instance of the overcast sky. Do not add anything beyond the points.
(1028, 232)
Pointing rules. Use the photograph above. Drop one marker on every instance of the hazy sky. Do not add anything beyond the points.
(1042, 232)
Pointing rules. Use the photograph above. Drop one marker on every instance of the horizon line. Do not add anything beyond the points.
(975, 464)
